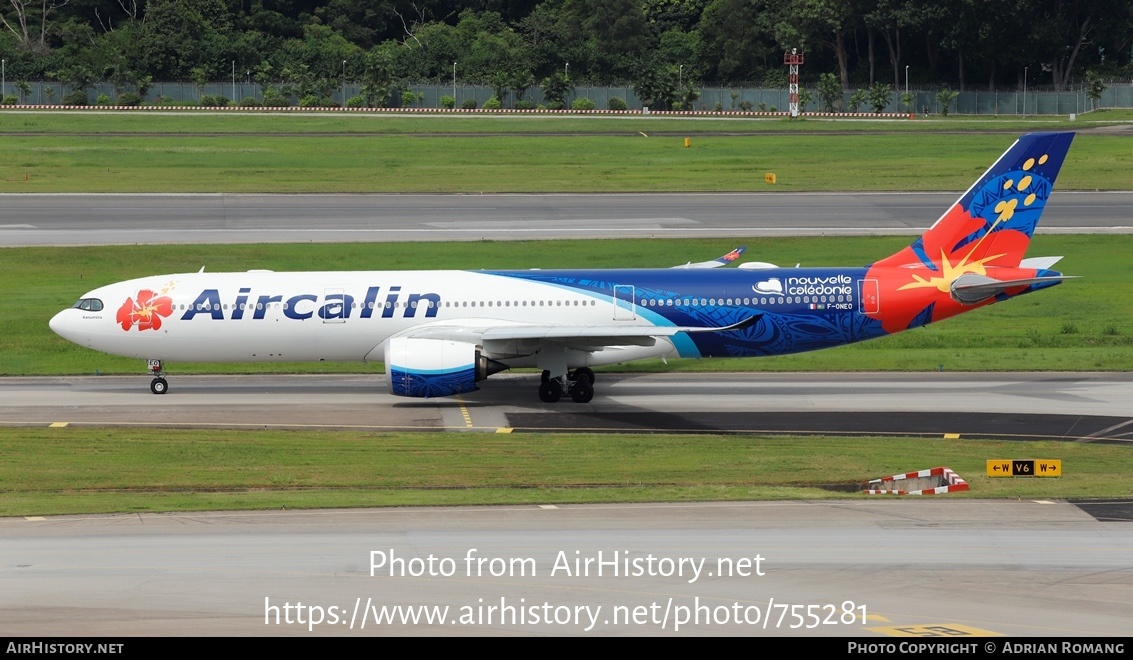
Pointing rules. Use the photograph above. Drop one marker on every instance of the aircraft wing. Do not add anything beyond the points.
(581, 337)
(719, 261)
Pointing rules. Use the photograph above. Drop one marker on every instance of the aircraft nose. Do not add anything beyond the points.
(59, 324)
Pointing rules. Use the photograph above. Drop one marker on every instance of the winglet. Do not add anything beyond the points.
(717, 262)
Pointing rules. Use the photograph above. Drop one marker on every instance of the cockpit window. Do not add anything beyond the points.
(89, 304)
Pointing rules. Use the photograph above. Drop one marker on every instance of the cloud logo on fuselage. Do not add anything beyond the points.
(771, 287)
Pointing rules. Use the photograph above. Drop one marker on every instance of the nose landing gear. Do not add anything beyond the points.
(158, 385)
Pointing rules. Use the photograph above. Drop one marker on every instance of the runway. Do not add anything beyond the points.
(867, 568)
(110, 219)
(1090, 407)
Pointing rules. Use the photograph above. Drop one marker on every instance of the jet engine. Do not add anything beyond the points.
(435, 367)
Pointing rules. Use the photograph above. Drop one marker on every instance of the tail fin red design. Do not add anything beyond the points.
(980, 241)
(992, 223)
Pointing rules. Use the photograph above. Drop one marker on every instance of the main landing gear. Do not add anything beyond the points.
(578, 383)
(158, 385)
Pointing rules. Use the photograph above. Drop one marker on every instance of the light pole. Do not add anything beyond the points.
(344, 83)
(454, 84)
(234, 81)
(3, 77)
(908, 105)
(680, 86)
(1025, 91)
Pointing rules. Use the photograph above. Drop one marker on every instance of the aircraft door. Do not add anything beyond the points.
(869, 297)
(334, 306)
(625, 308)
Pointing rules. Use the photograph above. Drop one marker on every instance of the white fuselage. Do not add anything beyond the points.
(262, 316)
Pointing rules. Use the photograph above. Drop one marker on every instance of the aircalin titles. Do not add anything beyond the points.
(306, 305)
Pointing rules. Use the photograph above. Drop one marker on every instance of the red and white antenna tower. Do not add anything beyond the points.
(793, 59)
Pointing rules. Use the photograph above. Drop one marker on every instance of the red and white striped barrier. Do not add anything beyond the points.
(475, 111)
(953, 483)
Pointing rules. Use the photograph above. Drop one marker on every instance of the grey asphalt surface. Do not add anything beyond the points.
(33, 219)
(1079, 406)
(950, 567)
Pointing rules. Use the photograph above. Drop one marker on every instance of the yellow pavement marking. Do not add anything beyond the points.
(57, 425)
(949, 630)
(464, 413)
(504, 429)
(951, 436)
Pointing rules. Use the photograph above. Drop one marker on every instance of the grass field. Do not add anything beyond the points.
(1084, 324)
(80, 470)
(261, 123)
(50, 152)
(190, 121)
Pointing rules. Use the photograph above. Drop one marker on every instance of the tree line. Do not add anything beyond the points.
(665, 49)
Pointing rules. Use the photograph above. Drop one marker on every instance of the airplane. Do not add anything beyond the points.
(440, 333)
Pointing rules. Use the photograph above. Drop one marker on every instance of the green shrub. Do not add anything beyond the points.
(8, 100)
(878, 97)
(221, 101)
(583, 104)
(616, 103)
(945, 97)
(493, 103)
(746, 106)
(249, 102)
(356, 101)
(524, 104)
(162, 100)
(469, 104)
(273, 99)
(77, 97)
(130, 98)
(555, 105)
(408, 97)
(448, 102)
(309, 101)
(207, 101)
(103, 99)
(719, 107)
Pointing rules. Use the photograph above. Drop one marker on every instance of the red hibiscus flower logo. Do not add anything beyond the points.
(145, 312)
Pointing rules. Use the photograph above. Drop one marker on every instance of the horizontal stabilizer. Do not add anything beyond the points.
(969, 289)
(1039, 263)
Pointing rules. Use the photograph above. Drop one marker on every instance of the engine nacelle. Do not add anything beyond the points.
(435, 367)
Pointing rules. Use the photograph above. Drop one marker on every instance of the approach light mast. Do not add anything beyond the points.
(793, 59)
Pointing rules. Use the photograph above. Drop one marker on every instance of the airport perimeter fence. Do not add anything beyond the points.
(711, 98)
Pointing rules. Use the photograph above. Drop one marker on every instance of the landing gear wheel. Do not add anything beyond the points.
(550, 391)
(583, 373)
(545, 376)
(158, 386)
(582, 391)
